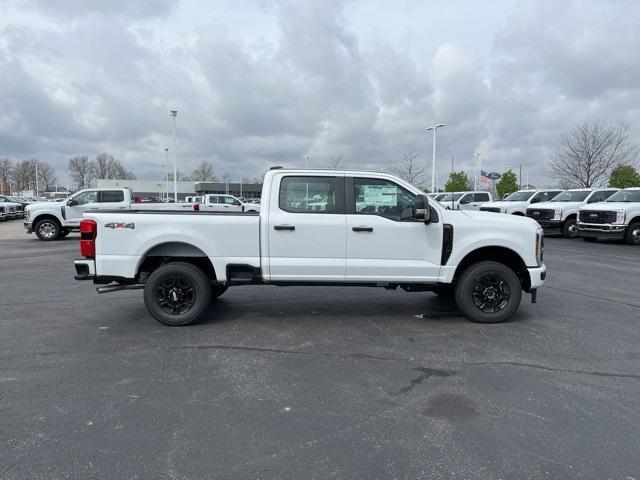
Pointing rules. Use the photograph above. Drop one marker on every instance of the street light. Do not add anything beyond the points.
(475, 171)
(36, 162)
(174, 114)
(433, 160)
(166, 175)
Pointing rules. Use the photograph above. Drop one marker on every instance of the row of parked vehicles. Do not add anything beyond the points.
(582, 212)
(12, 206)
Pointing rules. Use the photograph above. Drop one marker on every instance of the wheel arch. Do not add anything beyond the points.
(503, 255)
(44, 216)
(171, 252)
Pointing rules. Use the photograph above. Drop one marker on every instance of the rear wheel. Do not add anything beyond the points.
(570, 228)
(47, 229)
(632, 236)
(488, 292)
(177, 293)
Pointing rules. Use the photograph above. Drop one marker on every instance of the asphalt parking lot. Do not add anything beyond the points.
(300, 382)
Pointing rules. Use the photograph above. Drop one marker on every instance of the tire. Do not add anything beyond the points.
(570, 228)
(190, 289)
(47, 229)
(589, 239)
(488, 292)
(444, 291)
(632, 237)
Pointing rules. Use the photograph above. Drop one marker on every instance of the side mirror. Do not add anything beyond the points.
(422, 209)
(71, 202)
(535, 200)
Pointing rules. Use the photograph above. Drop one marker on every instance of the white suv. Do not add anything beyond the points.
(518, 202)
(560, 214)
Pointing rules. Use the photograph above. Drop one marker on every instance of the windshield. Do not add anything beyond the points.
(451, 196)
(572, 196)
(625, 196)
(519, 197)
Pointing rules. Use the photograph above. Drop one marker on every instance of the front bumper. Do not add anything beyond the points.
(28, 226)
(550, 225)
(601, 230)
(85, 269)
(537, 276)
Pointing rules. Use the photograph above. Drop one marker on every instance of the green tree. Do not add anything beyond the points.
(508, 183)
(624, 176)
(458, 182)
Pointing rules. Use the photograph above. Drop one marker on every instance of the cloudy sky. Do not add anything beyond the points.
(264, 82)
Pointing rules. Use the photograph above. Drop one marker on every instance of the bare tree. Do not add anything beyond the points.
(81, 170)
(24, 175)
(6, 167)
(585, 156)
(409, 169)
(104, 166)
(335, 162)
(46, 175)
(203, 172)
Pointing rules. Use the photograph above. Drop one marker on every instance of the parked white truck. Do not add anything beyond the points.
(53, 220)
(465, 200)
(518, 202)
(373, 229)
(560, 214)
(215, 202)
(617, 217)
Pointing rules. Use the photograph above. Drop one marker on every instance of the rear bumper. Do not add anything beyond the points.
(537, 276)
(601, 231)
(85, 269)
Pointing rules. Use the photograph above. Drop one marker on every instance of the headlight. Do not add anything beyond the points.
(557, 214)
(619, 216)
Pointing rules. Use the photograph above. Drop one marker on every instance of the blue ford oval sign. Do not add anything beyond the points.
(494, 176)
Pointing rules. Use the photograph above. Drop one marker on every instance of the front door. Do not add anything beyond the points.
(307, 228)
(78, 204)
(381, 246)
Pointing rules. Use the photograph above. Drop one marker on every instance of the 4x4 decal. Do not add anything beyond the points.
(120, 225)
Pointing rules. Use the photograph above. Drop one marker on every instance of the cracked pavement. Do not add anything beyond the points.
(310, 382)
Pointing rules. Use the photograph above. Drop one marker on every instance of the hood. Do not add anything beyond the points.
(41, 206)
(554, 205)
(610, 206)
(492, 218)
(10, 204)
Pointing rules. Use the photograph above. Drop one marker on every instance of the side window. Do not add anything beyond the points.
(213, 200)
(550, 195)
(597, 197)
(86, 197)
(481, 197)
(112, 196)
(231, 201)
(381, 197)
(607, 194)
(465, 199)
(308, 194)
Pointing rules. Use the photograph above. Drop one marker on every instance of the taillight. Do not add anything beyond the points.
(196, 207)
(88, 233)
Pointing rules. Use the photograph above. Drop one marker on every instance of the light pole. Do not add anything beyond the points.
(36, 177)
(166, 175)
(306, 158)
(174, 114)
(433, 160)
(475, 171)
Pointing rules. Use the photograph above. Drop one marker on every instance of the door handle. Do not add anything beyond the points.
(362, 229)
(284, 227)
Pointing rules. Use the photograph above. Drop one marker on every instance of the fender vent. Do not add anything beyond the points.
(447, 243)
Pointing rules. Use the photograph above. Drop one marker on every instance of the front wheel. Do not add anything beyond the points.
(632, 236)
(488, 292)
(570, 228)
(177, 293)
(47, 229)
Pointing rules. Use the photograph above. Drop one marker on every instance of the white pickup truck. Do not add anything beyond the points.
(617, 217)
(215, 202)
(560, 214)
(53, 220)
(373, 229)
(465, 200)
(518, 202)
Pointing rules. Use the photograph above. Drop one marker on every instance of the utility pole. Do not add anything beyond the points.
(520, 178)
(433, 155)
(475, 171)
(174, 114)
(166, 175)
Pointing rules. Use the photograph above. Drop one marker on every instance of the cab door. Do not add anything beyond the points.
(78, 204)
(381, 245)
(306, 228)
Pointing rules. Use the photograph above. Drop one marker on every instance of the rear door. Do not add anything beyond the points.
(307, 228)
(381, 246)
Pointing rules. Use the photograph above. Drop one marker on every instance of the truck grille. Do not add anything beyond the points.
(597, 216)
(540, 213)
(490, 209)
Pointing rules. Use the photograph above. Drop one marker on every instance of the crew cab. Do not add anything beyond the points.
(316, 227)
(226, 203)
(53, 220)
(465, 200)
(560, 214)
(12, 209)
(617, 217)
(518, 202)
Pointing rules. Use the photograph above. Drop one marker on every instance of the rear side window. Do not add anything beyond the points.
(112, 196)
(308, 194)
(481, 197)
